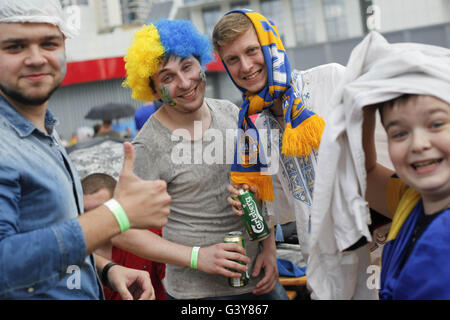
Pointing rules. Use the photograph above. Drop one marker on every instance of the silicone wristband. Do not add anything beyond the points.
(104, 276)
(194, 257)
(119, 214)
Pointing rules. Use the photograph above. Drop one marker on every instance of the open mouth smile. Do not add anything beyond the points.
(253, 75)
(426, 165)
(190, 94)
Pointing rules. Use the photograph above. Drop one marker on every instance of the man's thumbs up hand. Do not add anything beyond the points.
(146, 203)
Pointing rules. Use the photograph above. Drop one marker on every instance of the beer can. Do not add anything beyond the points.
(252, 218)
(236, 237)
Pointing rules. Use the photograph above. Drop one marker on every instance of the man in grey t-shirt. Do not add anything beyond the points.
(187, 143)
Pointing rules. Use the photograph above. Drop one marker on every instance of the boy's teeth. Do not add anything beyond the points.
(424, 164)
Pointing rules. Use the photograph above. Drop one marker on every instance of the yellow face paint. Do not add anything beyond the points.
(165, 96)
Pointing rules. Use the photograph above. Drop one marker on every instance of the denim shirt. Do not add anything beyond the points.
(42, 245)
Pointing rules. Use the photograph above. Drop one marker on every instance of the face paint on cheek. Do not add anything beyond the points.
(62, 64)
(203, 75)
(165, 96)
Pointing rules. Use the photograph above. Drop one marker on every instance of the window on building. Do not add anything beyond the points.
(335, 19)
(304, 21)
(210, 18)
(240, 5)
(271, 9)
(66, 3)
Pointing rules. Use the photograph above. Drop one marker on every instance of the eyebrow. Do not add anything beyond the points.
(430, 112)
(391, 124)
(22, 40)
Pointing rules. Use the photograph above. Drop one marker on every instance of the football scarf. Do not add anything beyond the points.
(303, 127)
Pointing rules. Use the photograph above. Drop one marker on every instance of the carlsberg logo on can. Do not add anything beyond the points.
(256, 218)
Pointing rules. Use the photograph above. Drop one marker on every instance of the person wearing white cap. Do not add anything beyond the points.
(46, 242)
(410, 85)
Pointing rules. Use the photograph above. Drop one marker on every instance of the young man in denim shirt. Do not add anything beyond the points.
(46, 243)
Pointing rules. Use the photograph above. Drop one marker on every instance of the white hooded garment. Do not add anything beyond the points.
(376, 72)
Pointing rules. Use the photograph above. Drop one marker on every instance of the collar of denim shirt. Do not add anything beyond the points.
(22, 126)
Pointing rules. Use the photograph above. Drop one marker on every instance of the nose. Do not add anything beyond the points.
(246, 64)
(420, 141)
(185, 81)
(35, 57)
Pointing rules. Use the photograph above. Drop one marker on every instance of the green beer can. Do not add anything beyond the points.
(252, 218)
(236, 237)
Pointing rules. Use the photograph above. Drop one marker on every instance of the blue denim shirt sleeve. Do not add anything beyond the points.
(40, 199)
(38, 258)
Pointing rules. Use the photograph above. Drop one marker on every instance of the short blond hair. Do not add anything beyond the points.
(229, 28)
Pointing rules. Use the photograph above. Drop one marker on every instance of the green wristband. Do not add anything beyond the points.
(119, 214)
(194, 257)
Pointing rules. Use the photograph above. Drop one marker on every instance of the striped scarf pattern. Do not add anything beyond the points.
(303, 127)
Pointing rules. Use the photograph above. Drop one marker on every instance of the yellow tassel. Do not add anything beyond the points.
(262, 182)
(306, 136)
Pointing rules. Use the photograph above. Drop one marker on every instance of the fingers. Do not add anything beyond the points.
(123, 291)
(269, 281)
(265, 286)
(227, 259)
(128, 158)
(234, 201)
(143, 290)
(235, 206)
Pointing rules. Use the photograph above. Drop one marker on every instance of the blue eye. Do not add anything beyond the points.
(436, 124)
(398, 135)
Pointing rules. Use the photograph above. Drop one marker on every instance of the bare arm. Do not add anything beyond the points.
(213, 259)
(146, 204)
(377, 175)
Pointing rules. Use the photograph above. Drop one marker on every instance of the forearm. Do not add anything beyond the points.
(100, 263)
(377, 175)
(99, 226)
(269, 245)
(368, 137)
(151, 246)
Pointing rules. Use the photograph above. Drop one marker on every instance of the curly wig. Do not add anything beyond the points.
(153, 43)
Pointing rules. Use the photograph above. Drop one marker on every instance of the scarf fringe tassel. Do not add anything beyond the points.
(262, 182)
(299, 142)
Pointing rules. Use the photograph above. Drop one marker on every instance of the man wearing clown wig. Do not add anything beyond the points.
(166, 61)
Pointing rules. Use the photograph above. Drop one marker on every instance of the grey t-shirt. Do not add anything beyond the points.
(197, 173)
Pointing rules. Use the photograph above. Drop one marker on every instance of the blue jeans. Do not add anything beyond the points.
(276, 294)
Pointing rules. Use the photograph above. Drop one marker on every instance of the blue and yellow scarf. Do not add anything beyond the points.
(303, 128)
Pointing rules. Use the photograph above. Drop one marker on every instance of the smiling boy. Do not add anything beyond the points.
(408, 83)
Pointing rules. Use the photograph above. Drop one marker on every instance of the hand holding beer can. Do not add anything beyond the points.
(236, 237)
(252, 218)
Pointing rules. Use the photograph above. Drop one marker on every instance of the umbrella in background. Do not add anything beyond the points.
(110, 111)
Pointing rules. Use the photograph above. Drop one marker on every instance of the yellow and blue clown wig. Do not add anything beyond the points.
(159, 40)
(303, 127)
